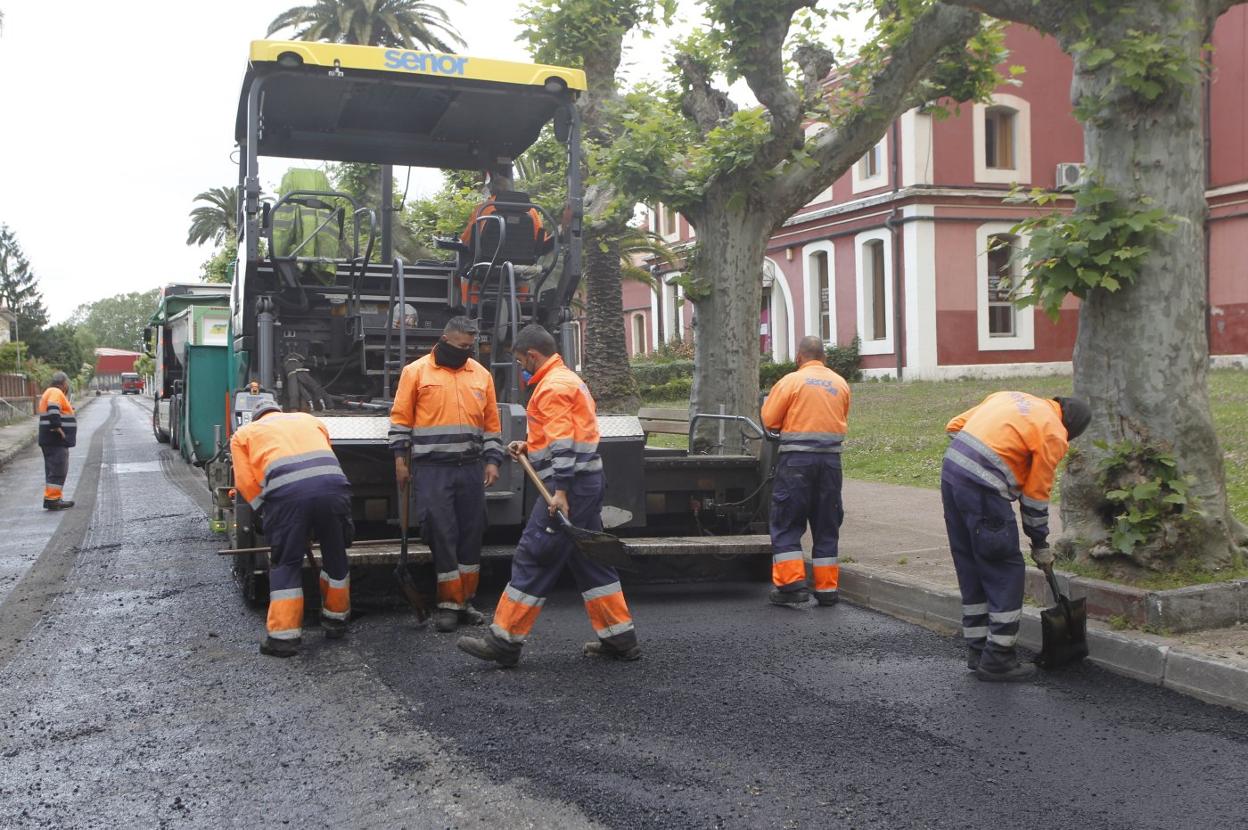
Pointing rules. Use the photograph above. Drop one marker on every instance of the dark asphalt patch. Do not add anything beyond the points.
(31, 598)
(744, 715)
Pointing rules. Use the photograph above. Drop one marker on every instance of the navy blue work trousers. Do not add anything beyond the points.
(807, 490)
(983, 537)
(450, 506)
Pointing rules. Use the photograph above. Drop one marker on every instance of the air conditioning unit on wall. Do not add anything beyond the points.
(1069, 175)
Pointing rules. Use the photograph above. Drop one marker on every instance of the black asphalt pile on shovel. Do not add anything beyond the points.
(597, 545)
(1064, 628)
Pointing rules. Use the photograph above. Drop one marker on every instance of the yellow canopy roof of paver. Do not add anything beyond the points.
(340, 102)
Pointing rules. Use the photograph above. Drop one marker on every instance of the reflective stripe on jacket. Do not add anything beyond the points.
(56, 412)
(809, 408)
(563, 425)
(1011, 443)
(487, 209)
(446, 415)
(283, 455)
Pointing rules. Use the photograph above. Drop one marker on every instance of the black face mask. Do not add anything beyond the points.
(449, 356)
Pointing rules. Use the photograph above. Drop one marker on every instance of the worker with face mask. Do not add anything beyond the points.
(563, 448)
(447, 440)
(1005, 449)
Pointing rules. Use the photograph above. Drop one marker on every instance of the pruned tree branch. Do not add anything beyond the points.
(1045, 15)
(889, 94)
(702, 102)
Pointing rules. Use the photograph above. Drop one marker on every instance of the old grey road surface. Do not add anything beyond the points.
(133, 696)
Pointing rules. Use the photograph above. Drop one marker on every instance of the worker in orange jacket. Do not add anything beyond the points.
(810, 410)
(58, 431)
(1006, 448)
(563, 447)
(285, 468)
(446, 436)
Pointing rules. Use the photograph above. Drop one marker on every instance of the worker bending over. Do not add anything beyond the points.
(58, 431)
(810, 410)
(286, 470)
(1006, 448)
(446, 437)
(563, 446)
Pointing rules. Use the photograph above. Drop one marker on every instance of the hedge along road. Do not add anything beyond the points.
(139, 700)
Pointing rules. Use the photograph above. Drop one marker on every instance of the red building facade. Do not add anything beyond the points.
(907, 250)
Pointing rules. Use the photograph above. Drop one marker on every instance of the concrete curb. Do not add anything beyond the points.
(1134, 654)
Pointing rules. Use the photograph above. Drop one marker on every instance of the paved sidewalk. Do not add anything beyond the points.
(895, 559)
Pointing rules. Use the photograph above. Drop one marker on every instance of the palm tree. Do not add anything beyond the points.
(402, 23)
(215, 220)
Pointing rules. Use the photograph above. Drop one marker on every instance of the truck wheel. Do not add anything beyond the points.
(162, 437)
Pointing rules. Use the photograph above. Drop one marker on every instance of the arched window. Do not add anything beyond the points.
(639, 333)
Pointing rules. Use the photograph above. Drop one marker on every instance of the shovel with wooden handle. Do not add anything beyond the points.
(407, 583)
(1064, 627)
(596, 545)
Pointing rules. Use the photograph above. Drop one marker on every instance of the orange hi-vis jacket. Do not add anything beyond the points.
(563, 425)
(1011, 443)
(487, 209)
(809, 408)
(284, 455)
(444, 416)
(56, 412)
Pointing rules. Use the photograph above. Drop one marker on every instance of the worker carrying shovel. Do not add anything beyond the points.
(446, 437)
(563, 448)
(286, 470)
(1006, 448)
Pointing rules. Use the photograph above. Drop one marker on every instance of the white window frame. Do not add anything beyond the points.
(639, 343)
(673, 307)
(810, 277)
(880, 179)
(811, 131)
(884, 346)
(661, 210)
(1021, 171)
(1024, 338)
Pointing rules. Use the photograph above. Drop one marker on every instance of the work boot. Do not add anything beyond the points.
(471, 616)
(600, 649)
(789, 599)
(281, 648)
(483, 649)
(445, 620)
(1013, 674)
(972, 657)
(334, 629)
(57, 504)
(827, 598)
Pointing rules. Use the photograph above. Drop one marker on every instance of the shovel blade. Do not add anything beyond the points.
(1064, 629)
(602, 548)
(407, 584)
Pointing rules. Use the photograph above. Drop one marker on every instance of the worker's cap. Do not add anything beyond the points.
(1076, 415)
(264, 409)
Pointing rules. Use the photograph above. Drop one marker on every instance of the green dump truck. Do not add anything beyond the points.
(188, 338)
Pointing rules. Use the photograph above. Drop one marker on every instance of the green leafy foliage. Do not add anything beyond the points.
(1144, 492)
(1143, 66)
(667, 374)
(116, 322)
(563, 32)
(1102, 244)
(405, 23)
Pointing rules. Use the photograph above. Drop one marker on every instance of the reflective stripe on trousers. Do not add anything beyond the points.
(983, 539)
(542, 554)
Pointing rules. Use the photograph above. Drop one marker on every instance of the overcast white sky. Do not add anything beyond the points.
(117, 114)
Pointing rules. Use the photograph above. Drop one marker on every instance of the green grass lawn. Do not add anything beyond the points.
(897, 430)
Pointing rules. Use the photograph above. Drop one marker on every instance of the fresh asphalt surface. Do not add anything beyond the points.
(132, 695)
